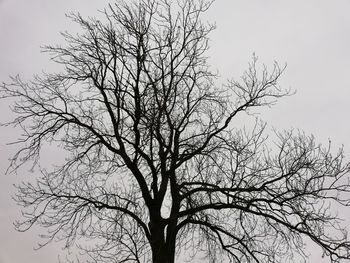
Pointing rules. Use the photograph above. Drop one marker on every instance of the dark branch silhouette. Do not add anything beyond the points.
(156, 161)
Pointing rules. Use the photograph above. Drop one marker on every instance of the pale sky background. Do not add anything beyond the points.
(311, 36)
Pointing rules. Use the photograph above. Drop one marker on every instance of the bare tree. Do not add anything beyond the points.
(156, 163)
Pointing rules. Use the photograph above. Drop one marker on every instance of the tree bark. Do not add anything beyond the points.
(161, 252)
(158, 240)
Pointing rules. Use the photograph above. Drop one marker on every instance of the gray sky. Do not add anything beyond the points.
(311, 36)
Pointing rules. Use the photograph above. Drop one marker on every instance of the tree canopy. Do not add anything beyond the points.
(156, 163)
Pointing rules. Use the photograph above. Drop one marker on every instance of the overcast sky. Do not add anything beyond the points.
(311, 36)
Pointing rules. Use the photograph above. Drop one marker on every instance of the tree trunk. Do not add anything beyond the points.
(159, 255)
(160, 251)
(163, 235)
(163, 251)
(163, 254)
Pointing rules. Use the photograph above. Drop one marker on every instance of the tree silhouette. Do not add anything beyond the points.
(156, 162)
